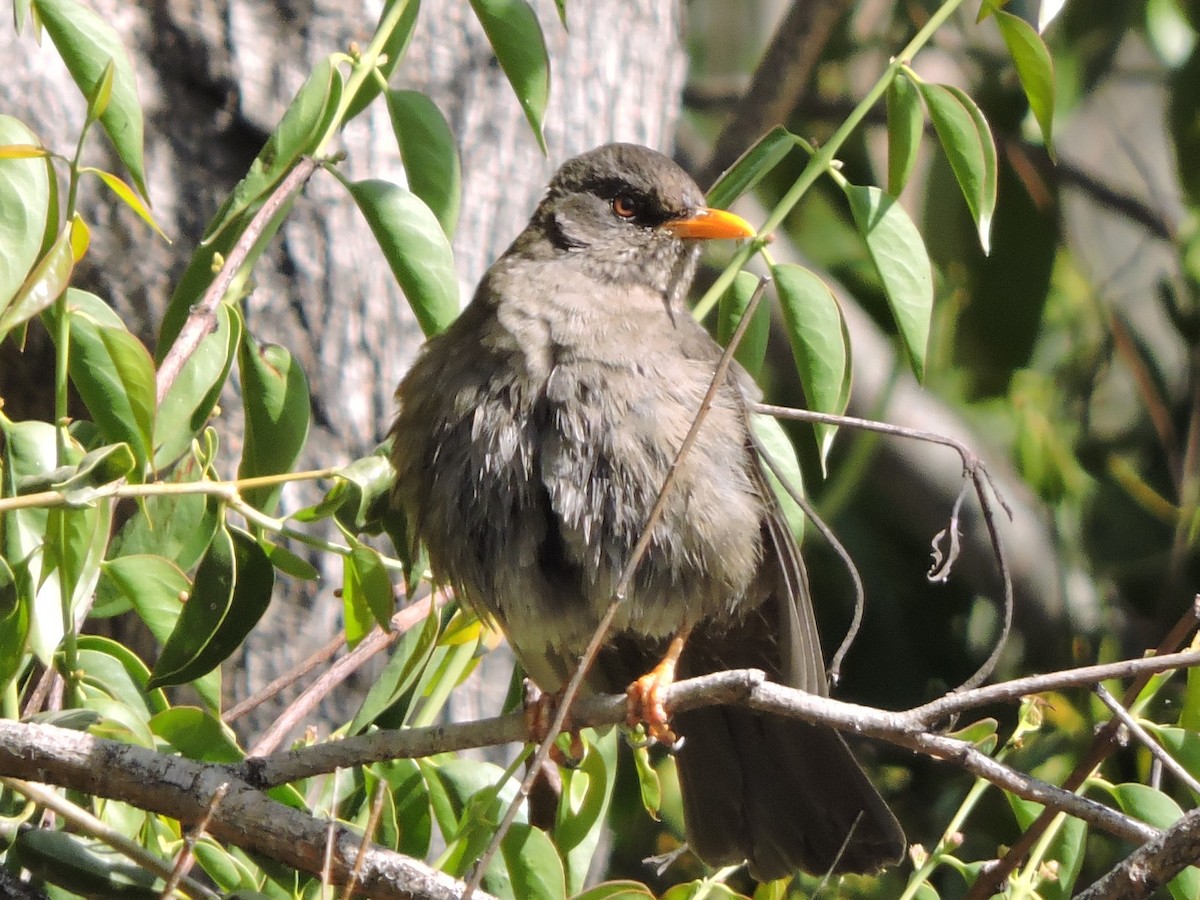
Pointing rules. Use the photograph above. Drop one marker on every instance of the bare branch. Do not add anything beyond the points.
(1156, 749)
(201, 317)
(181, 788)
(1151, 865)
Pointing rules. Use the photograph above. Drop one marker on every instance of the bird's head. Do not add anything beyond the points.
(630, 214)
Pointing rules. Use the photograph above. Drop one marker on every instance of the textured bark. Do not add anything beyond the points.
(214, 78)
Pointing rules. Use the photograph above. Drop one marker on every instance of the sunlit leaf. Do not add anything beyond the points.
(752, 351)
(114, 374)
(776, 444)
(903, 264)
(277, 405)
(366, 593)
(303, 123)
(905, 127)
(820, 345)
(189, 402)
(393, 49)
(416, 249)
(101, 93)
(516, 37)
(24, 207)
(1035, 68)
(127, 196)
(967, 142)
(88, 44)
(749, 168)
(42, 287)
(430, 157)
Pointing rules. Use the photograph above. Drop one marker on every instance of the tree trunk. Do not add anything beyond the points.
(214, 78)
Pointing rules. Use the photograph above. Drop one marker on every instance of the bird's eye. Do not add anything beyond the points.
(625, 206)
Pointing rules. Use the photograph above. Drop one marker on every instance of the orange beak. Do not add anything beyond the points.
(705, 224)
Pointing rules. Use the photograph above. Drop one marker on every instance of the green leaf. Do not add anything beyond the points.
(408, 658)
(74, 547)
(114, 671)
(127, 196)
(1035, 68)
(14, 625)
(429, 153)
(583, 807)
(516, 37)
(752, 351)
(1147, 804)
(301, 128)
(156, 587)
(967, 142)
(178, 527)
(185, 409)
(88, 44)
(101, 94)
(84, 866)
(416, 249)
(197, 734)
(750, 168)
(649, 783)
(779, 448)
(99, 467)
(366, 592)
(534, 869)
(414, 820)
(24, 210)
(43, 286)
(360, 498)
(114, 374)
(288, 562)
(278, 408)
(1189, 716)
(905, 127)
(903, 265)
(232, 589)
(820, 344)
(616, 890)
(394, 49)
(1156, 808)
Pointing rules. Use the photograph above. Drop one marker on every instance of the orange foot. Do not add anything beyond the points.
(539, 710)
(646, 695)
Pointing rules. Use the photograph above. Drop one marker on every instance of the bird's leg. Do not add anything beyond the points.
(645, 696)
(539, 709)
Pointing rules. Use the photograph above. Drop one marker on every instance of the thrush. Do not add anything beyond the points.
(533, 438)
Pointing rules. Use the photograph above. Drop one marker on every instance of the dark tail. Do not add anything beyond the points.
(781, 794)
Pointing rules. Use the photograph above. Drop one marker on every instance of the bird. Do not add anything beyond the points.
(532, 439)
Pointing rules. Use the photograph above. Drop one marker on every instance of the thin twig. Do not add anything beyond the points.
(1102, 745)
(319, 658)
(202, 317)
(1156, 749)
(985, 489)
(184, 861)
(601, 631)
(375, 642)
(368, 834)
(737, 686)
(860, 594)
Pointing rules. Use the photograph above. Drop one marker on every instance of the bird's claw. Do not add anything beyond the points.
(539, 711)
(646, 707)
